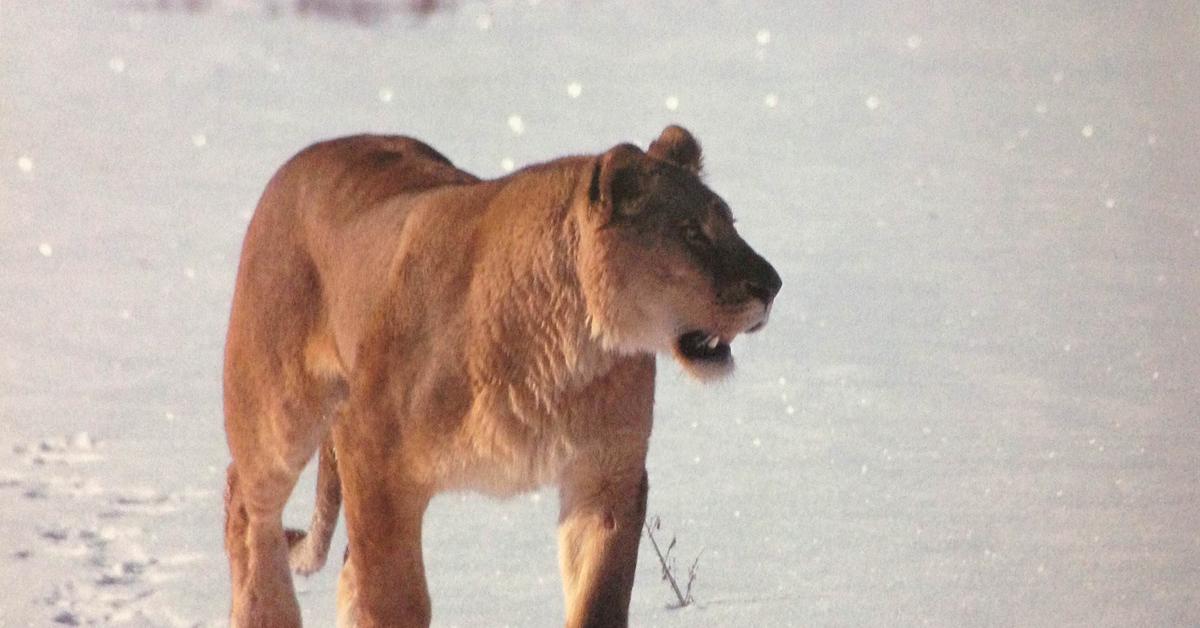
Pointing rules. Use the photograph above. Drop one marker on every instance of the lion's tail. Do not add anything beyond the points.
(307, 551)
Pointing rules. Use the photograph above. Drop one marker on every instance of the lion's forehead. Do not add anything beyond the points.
(685, 197)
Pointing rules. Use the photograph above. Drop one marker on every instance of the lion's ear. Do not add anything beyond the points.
(679, 147)
(616, 180)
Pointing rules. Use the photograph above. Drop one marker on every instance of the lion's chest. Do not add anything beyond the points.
(502, 453)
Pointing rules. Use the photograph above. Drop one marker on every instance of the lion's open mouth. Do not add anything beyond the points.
(702, 346)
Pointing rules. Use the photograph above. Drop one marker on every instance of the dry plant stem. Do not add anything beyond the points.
(692, 575)
(683, 601)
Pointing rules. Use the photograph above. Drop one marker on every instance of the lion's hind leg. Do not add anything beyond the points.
(258, 553)
(269, 453)
(347, 596)
(273, 432)
(236, 521)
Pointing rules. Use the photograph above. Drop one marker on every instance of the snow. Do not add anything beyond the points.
(976, 403)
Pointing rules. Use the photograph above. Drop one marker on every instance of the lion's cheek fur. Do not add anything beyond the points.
(626, 313)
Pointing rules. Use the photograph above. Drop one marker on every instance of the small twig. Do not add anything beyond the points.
(684, 597)
(692, 576)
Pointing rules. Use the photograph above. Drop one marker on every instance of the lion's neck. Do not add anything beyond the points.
(538, 338)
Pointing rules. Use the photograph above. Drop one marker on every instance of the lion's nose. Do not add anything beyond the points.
(758, 290)
(765, 284)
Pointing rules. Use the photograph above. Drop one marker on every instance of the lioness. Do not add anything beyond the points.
(439, 332)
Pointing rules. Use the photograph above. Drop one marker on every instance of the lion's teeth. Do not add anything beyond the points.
(712, 342)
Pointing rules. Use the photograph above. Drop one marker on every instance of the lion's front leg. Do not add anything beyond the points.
(600, 525)
(383, 583)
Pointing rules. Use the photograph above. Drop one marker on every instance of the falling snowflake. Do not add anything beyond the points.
(516, 124)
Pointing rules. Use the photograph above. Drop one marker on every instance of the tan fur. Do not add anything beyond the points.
(437, 332)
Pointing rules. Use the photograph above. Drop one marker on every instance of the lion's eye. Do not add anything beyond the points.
(693, 234)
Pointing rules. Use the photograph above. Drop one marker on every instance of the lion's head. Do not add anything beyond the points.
(661, 265)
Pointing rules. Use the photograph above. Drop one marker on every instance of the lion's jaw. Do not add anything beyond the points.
(705, 352)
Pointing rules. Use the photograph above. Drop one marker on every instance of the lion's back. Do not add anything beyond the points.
(347, 197)
(353, 174)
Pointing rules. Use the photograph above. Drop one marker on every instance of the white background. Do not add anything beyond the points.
(976, 404)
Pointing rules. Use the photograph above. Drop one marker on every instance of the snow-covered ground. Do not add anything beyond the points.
(977, 404)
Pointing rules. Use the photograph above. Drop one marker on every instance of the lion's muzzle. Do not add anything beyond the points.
(746, 294)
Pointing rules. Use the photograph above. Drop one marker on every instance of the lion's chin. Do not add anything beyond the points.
(705, 356)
